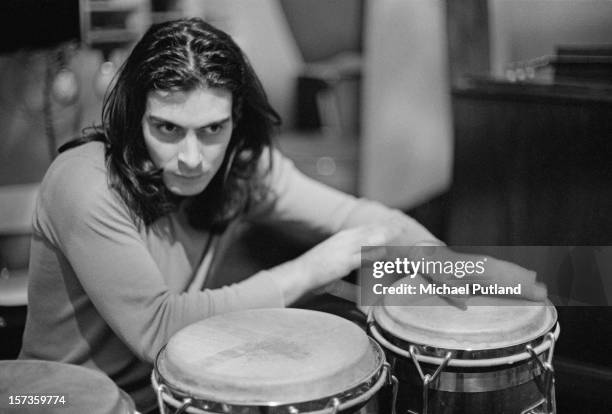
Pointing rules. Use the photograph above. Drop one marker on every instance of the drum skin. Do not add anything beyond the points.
(488, 323)
(85, 391)
(490, 328)
(268, 357)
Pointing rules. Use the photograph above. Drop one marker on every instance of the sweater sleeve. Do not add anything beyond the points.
(96, 233)
(300, 201)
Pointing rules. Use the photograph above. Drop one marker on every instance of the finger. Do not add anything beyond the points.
(425, 250)
(536, 292)
(512, 274)
(456, 301)
(375, 236)
(373, 253)
(345, 290)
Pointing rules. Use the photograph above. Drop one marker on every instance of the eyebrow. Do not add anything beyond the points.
(162, 120)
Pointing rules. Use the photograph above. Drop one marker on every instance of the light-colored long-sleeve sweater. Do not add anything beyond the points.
(107, 294)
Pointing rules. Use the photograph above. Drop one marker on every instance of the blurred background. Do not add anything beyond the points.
(490, 121)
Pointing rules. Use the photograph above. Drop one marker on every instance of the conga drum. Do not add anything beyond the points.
(269, 360)
(493, 357)
(32, 386)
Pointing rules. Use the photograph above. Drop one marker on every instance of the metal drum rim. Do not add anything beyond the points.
(493, 350)
(494, 360)
(468, 354)
(376, 378)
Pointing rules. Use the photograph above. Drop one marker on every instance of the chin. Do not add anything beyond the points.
(181, 189)
(185, 188)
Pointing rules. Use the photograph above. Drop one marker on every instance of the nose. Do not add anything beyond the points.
(190, 155)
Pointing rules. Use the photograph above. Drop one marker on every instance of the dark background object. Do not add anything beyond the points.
(532, 164)
(330, 99)
(12, 323)
(584, 64)
(307, 111)
(532, 167)
(37, 24)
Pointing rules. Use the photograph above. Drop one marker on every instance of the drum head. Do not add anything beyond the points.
(268, 356)
(487, 323)
(84, 390)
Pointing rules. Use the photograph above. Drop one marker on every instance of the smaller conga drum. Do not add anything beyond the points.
(269, 360)
(493, 357)
(32, 386)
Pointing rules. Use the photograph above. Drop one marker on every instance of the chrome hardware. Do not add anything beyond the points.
(187, 402)
(336, 405)
(548, 377)
(392, 380)
(427, 379)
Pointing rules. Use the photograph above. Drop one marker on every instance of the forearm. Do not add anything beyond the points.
(292, 280)
(155, 324)
(326, 262)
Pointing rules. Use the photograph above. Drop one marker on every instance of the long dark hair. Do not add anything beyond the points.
(183, 55)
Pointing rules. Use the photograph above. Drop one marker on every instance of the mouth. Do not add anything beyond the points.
(190, 176)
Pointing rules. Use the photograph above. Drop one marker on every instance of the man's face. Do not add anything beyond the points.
(187, 134)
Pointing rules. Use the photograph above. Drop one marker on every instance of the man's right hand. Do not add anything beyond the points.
(328, 261)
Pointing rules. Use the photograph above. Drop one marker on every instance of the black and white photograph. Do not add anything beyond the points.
(306, 206)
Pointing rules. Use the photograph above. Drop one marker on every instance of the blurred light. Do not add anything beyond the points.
(65, 87)
(326, 166)
(104, 77)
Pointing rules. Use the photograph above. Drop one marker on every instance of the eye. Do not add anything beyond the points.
(167, 128)
(214, 128)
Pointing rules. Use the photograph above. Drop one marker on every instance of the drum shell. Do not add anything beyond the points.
(510, 388)
(508, 391)
(495, 356)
